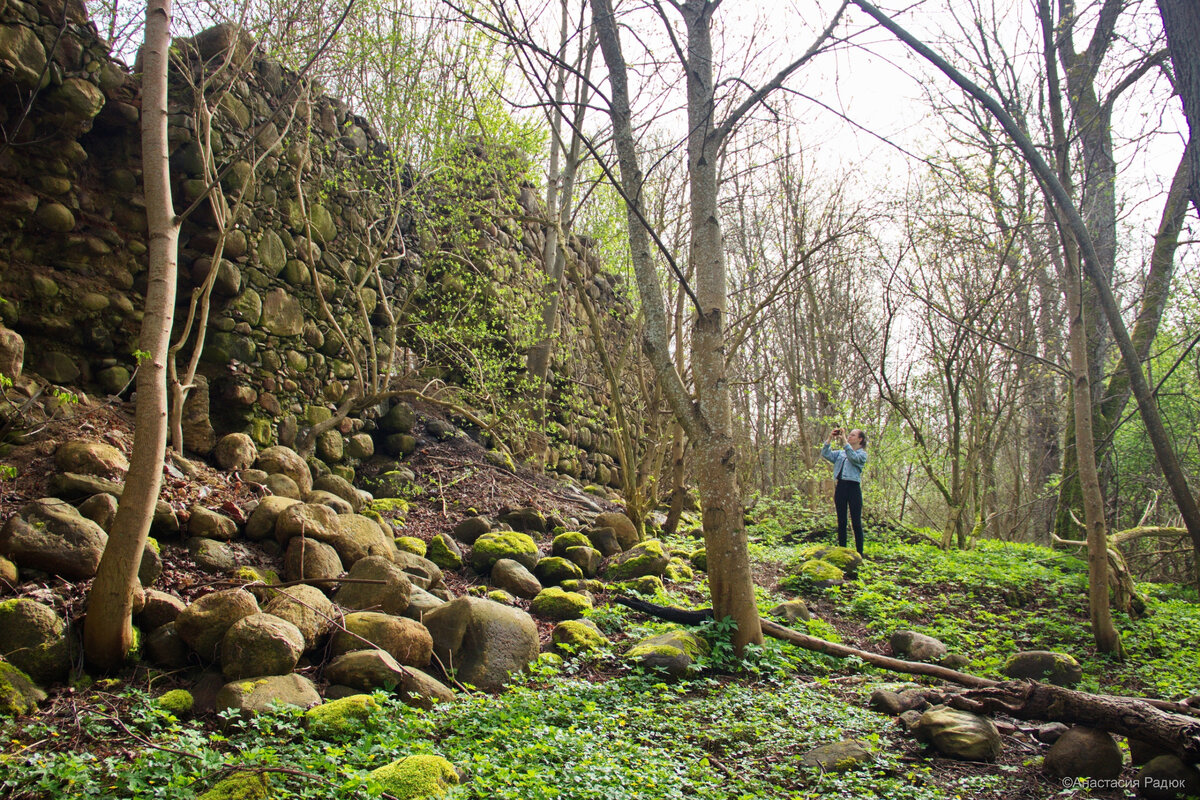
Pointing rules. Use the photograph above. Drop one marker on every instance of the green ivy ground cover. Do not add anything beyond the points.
(590, 729)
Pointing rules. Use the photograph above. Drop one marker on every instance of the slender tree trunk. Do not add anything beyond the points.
(1107, 639)
(730, 580)
(709, 425)
(108, 632)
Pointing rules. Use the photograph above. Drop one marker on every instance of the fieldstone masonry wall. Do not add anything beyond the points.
(73, 248)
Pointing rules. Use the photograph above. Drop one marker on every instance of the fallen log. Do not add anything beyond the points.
(973, 682)
(1127, 716)
(686, 617)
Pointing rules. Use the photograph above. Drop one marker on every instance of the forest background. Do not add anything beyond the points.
(892, 261)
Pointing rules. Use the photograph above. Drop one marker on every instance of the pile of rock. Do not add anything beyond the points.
(356, 605)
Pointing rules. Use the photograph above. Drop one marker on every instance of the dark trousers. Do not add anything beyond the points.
(848, 496)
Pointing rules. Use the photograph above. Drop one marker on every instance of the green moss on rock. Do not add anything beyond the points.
(678, 571)
(644, 558)
(821, 572)
(555, 603)
(569, 539)
(240, 786)
(18, 694)
(441, 552)
(554, 570)
(699, 559)
(411, 544)
(578, 636)
(176, 701)
(491, 547)
(417, 776)
(340, 718)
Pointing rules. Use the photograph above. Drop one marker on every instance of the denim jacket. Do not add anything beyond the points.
(847, 461)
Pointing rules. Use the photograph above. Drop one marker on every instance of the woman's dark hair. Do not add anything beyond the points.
(863, 436)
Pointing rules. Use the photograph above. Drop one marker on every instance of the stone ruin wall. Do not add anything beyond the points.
(73, 251)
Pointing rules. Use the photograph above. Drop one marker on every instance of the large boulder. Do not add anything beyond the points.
(525, 519)
(959, 734)
(484, 642)
(421, 571)
(844, 558)
(605, 541)
(513, 577)
(34, 640)
(235, 451)
(674, 652)
(623, 528)
(578, 636)
(18, 694)
(567, 540)
(284, 460)
(444, 552)
(556, 604)
(204, 623)
(471, 529)
(390, 596)
(252, 695)
(164, 648)
(307, 608)
(359, 534)
(262, 520)
(588, 559)
(308, 559)
(917, 646)
(406, 640)
(840, 756)
(640, 559)
(159, 609)
(1044, 665)
(260, 644)
(420, 603)
(208, 524)
(556, 569)
(340, 487)
(50, 535)
(491, 547)
(12, 349)
(91, 458)
(367, 670)
(353, 536)
(1168, 777)
(340, 718)
(1084, 753)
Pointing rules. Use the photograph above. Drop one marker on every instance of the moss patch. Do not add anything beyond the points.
(491, 547)
(416, 777)
(411, 544)
(340, 718)
(18, 694)
(240, 786)
(176, 701)
(555, 603)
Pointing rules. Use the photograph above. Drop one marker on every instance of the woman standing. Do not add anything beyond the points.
(848, 459)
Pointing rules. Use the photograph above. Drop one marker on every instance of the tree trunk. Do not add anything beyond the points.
(1181, 20)
(730, 580)
(709, 425)
(108, 632)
